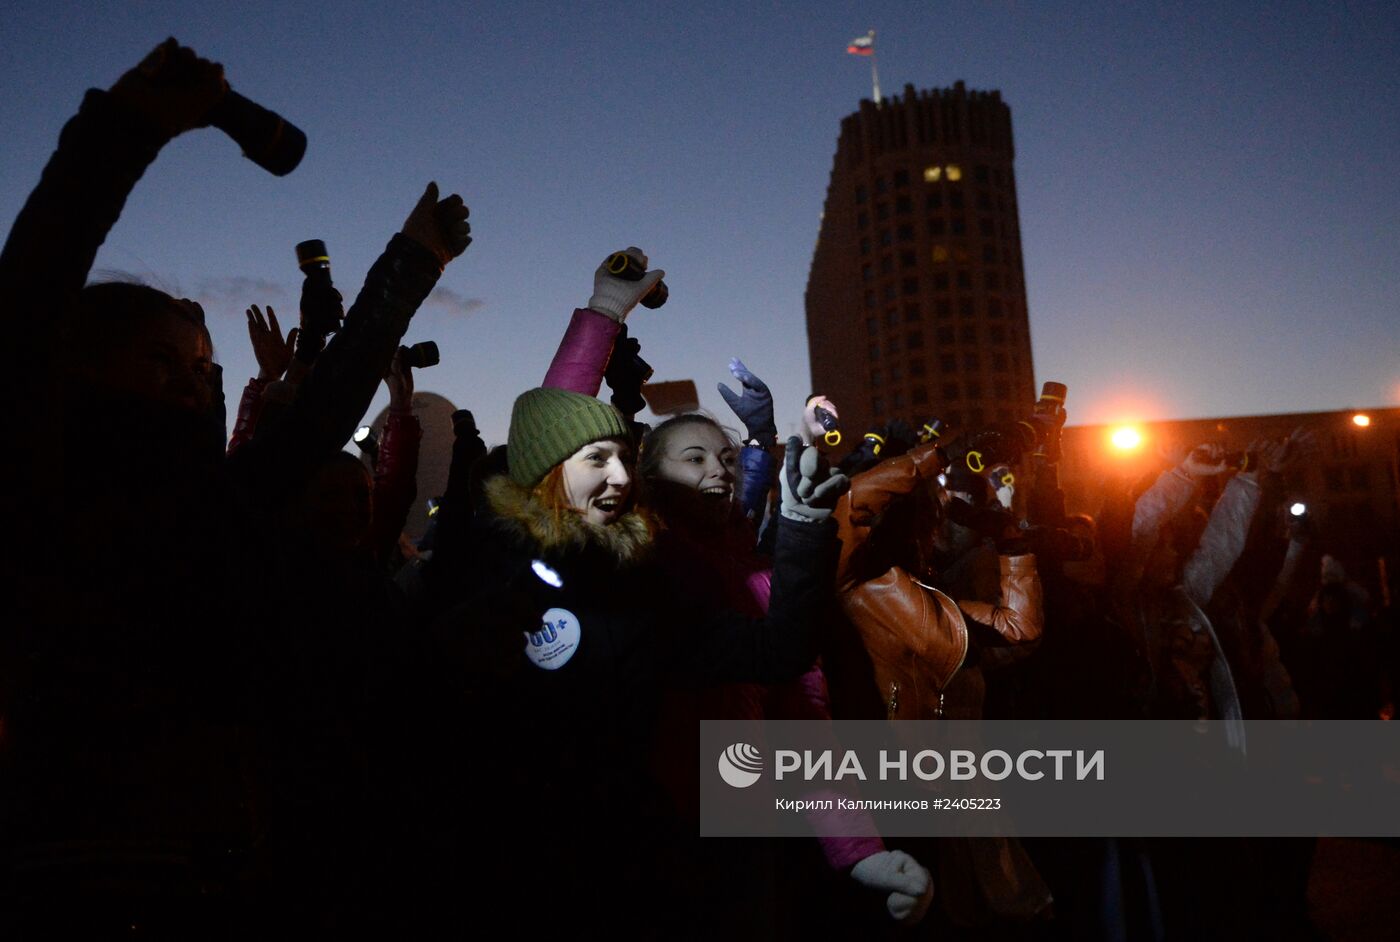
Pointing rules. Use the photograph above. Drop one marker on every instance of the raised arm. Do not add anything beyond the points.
(1224, 538)
(753, 405)
(1166, 498)
(583, 354)
(1017, 615)
(337, 392)
(102, 152)
(873, 491)
(274, 355)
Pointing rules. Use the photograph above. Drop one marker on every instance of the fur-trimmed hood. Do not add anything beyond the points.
(626, 542)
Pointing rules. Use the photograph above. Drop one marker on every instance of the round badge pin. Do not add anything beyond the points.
(554, 643)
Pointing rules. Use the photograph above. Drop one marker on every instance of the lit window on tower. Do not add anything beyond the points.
(933, 174)
(954, 172)
(940, 253)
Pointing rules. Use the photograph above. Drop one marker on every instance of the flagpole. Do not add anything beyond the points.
(874, 74)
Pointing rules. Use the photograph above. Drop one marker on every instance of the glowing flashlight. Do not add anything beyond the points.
(547, 574)
(368, 442)
(1298, 509)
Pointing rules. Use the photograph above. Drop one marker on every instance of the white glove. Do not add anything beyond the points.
(909, 885)
(614, 296)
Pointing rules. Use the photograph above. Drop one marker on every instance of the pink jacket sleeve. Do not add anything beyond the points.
(583, 354)
(249, 408)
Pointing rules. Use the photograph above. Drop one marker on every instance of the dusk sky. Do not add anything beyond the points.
(1209, 193)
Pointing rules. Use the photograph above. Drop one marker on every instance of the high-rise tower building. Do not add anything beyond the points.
(916, 301)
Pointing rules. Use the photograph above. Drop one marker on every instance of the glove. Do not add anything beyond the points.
(754, 408)
(172, 89)
(322, 311)
(909, 885)
(440, 226)
(615, 297)
(810, 488)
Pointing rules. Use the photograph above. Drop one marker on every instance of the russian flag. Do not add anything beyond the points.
(862, 45)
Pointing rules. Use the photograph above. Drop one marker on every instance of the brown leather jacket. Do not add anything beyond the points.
(914, 636)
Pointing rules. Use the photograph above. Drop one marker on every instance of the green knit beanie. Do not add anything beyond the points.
(549, 425)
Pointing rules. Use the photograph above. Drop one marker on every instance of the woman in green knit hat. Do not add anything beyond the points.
(568, 632)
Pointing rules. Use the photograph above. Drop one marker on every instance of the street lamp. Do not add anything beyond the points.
(1126, 438)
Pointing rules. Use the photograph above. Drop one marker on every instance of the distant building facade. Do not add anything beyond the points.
(916, 299)
(1350, 488)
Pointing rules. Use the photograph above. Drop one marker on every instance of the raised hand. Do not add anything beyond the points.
(440, 226)
(614, 296)
(273, 352)
(173, 88)
(754, 406)
(1205, 461)
(810, 489)
(1301, 443)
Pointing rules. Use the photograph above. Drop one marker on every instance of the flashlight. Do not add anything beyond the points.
(546, 573)
(828, 421)
(367, 441)
(420, 355)
(621, 265)
(322, 307)
(1298, 509)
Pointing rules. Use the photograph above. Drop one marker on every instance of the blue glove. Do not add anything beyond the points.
(755, 481)
(754, 408)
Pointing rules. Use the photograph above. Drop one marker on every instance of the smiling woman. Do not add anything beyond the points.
(696, 455)
(597, 479)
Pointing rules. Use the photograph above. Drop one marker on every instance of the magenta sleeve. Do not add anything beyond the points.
(583, 354)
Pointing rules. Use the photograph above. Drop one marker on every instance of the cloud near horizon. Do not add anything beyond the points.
(239, 291)
(453, 302)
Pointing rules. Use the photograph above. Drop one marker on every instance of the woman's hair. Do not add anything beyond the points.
(654, 445)
(112, 311)
(553, 495)
(111, 314)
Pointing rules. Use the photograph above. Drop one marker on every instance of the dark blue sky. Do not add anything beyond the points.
(1210, 202)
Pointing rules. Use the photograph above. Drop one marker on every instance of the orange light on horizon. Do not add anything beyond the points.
(1125, 438)
(1361, 420)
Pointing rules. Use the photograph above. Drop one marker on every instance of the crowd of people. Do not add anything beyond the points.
(235, 701)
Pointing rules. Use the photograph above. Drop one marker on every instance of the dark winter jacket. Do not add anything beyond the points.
(567, 681)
